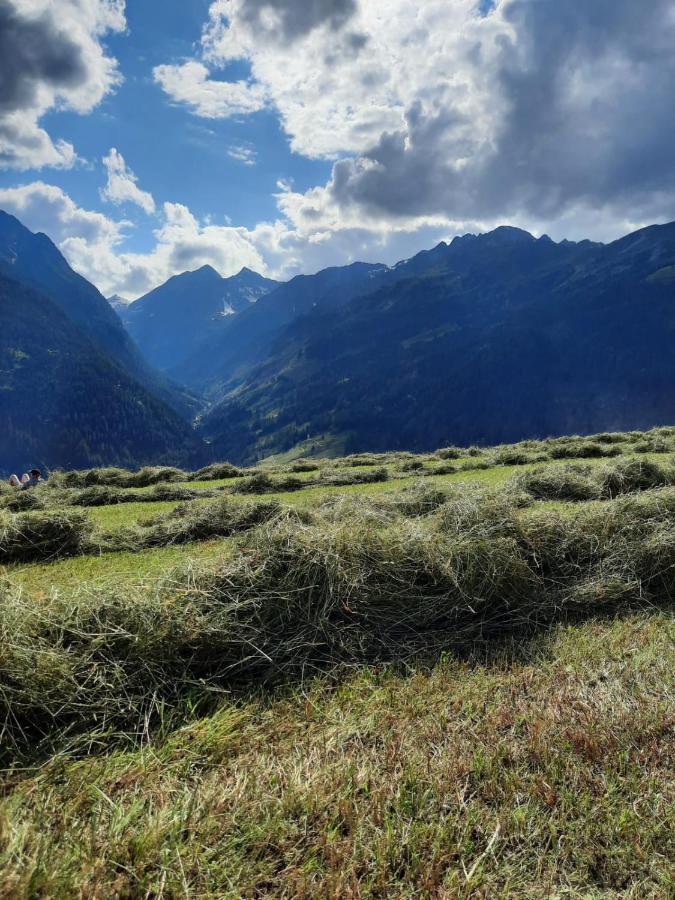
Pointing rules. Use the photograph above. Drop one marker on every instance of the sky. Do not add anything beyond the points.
(150, 138)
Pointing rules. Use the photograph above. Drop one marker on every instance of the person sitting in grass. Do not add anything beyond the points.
(14, 481)
(33, 481)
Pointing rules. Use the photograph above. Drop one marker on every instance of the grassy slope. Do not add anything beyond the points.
(72, 573)
(543, 769)
(543, 773)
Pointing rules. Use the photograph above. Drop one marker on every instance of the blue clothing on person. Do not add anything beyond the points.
(33, 481)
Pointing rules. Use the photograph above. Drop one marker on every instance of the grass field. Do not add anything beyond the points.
(432, 686)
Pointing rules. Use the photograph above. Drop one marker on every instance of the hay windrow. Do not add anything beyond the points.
(29, 536)
(302, 593)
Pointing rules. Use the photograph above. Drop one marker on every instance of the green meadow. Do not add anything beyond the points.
(446, 675)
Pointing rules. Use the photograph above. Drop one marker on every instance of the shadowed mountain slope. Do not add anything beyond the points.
(245, 339)
(175, 320)
(34, 260)
(492, 338)
(65, 403)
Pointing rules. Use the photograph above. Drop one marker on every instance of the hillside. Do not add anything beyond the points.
(245, 339)
(443, 675)
(490, 339)
(64, 402)
(34, 260)
(172, 322)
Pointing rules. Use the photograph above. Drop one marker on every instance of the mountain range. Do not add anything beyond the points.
(74, 388)
(489, 338)
(174, 321)
(492, 338)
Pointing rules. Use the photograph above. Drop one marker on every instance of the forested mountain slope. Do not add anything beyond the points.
(246, 339)
(63, 402)
(492, 338)
(34, 260)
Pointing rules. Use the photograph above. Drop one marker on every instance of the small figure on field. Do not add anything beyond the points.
(34, 479)
(14, 481)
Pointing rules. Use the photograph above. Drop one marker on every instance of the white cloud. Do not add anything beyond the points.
(540, 112)
(190, 83)
(51, 57)
(47, 208)
(243, 153)
(181, 243)
(122, 184)
(94, 243)
(342, 73)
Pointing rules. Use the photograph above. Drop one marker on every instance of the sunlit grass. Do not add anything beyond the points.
(113, 569)
(534, 767)
(542, 773)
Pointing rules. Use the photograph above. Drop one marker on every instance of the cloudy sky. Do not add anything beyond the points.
(286, 136)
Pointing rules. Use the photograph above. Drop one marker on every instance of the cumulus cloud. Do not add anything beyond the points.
(279, 21)
(51, 57)
(122, 184)
(181, 243)
(190, 83)
(47, 208)
(526, 110)
(580, 94)
(94, 244)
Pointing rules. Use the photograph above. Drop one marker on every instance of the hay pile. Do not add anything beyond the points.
(216, 472)
(22, 501)
(109, 496)
(29, 536)
(195, 522)
(570, 482)
(299, 594)
(304, 465)
(580, 449)
(262, 483)
(114, 477)
(630, 475)
(583, 483)
(337, 478)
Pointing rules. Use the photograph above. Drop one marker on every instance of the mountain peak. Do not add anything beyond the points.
(174, 319)
(206, 270)
(508, 233)
(249, 276)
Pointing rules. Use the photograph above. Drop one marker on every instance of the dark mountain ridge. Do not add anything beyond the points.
(65, 403)
(245, 339)
(34, 260)
(176, 319)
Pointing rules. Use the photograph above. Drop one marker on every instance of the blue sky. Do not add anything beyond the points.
(175, 156)
(149, 138)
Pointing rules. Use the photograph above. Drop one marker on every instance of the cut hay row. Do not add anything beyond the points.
(297, 596)
(96, 496)
(599, 446)
(582, 483)
(38, 534)
(26, 537)
(52, 534)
